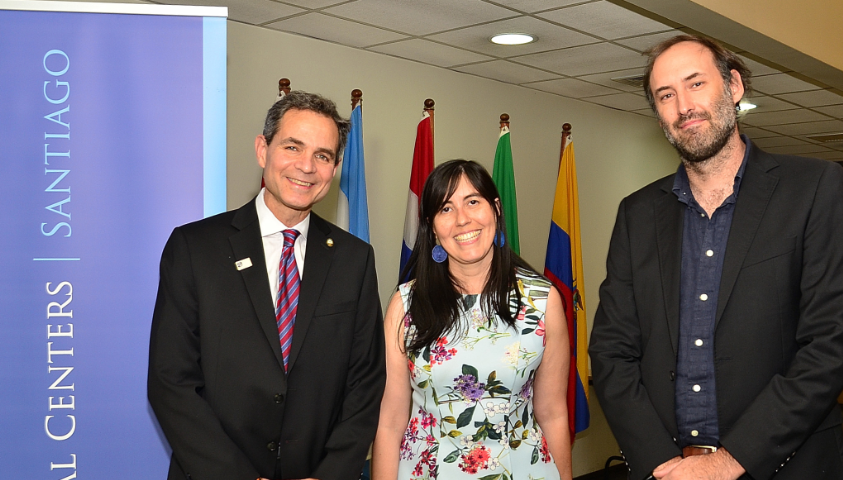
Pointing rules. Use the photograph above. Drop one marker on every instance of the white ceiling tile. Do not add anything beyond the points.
(834, 110)
(755, 133)
(334, 29)
(314, 3)
(606, 79)
(247, 11)
(571, 87)
(576, 61)
(763, 119)
(809, 128)
(605, 19)
(531, 6)
(421, 17)
(814, 98)
(430, 52)
(644, 42)
(780, 83)
(505, 71)
(549, 37)
(798, 149)
(620, 101)
(768, 104)
(779, 141)
(758, 68)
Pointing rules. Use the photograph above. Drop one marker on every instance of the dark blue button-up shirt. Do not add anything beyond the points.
(703, 247)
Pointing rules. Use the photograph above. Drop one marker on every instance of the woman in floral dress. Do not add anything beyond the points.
(477, 349)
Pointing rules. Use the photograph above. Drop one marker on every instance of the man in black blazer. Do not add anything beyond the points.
(717, 348)
(217, 379)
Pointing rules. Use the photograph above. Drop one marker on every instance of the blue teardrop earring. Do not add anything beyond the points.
(500, 239)
(439, 254)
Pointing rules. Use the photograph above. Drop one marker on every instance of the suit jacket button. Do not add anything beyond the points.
(279, 398)
(271, 446)
(672, 375)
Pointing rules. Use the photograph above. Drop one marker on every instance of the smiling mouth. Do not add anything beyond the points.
(299, 182)
(465, 237)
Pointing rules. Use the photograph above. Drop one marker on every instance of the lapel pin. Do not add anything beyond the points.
(243, 264)
(329, 242)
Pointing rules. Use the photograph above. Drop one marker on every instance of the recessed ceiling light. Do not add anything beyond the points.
(513, 39)
(746, 106)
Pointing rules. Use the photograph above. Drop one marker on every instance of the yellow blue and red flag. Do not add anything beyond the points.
(563, 266)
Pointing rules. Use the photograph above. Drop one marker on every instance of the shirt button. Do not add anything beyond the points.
(702, 215)
(694, 433)
(703, 297)
(697, 388)
(709, 253)
(698, 343)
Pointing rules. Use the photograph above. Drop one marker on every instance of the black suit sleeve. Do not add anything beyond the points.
(795, 402)
(616, 348)
(175, 383)
(352, 435)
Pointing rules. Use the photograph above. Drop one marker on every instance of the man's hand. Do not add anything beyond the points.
(666, 467)
(719, 465)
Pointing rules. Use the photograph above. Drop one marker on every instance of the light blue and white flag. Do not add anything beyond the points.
(352, 204)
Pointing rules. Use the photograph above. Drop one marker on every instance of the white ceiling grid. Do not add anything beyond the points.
(581, 45)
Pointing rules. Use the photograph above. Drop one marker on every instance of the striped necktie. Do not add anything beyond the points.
(288, 294)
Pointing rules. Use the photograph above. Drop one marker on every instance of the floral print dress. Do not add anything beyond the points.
(472, 412)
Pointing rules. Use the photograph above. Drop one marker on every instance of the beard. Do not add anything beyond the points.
(698, 145)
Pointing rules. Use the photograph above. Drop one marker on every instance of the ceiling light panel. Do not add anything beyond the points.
(550, 37)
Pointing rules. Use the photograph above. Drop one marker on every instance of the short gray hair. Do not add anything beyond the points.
(312, 102)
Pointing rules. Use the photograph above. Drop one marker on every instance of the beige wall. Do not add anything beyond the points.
(616, 152)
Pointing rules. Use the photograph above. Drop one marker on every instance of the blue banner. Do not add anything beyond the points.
(112, 132)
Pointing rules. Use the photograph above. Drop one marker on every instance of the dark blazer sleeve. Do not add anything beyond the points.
(617, 347)
(801, 399)
(176, 379)
(350, 438)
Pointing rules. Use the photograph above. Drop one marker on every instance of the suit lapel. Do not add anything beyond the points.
(756, 188)
(670, 220)
(247, 243)
(317, 262)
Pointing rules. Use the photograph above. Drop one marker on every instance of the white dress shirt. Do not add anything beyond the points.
(273, 242)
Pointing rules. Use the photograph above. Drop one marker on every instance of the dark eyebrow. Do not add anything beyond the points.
(296, 141)
(689, 77)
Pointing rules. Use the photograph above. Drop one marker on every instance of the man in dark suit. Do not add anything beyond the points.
(235, 397)
(717, 348)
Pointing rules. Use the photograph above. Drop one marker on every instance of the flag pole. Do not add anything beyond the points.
(428, 107)
(356, 97)
(504, 120)
(566, 134)
(283, 87)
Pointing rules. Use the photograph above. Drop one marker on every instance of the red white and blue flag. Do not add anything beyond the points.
(422, 166)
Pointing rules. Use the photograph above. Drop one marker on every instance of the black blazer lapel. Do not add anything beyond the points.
(247, 243)
(757, 186)
(670, 221)
(317, 262)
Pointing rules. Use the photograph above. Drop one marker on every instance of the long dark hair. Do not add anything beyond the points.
(435, 301)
